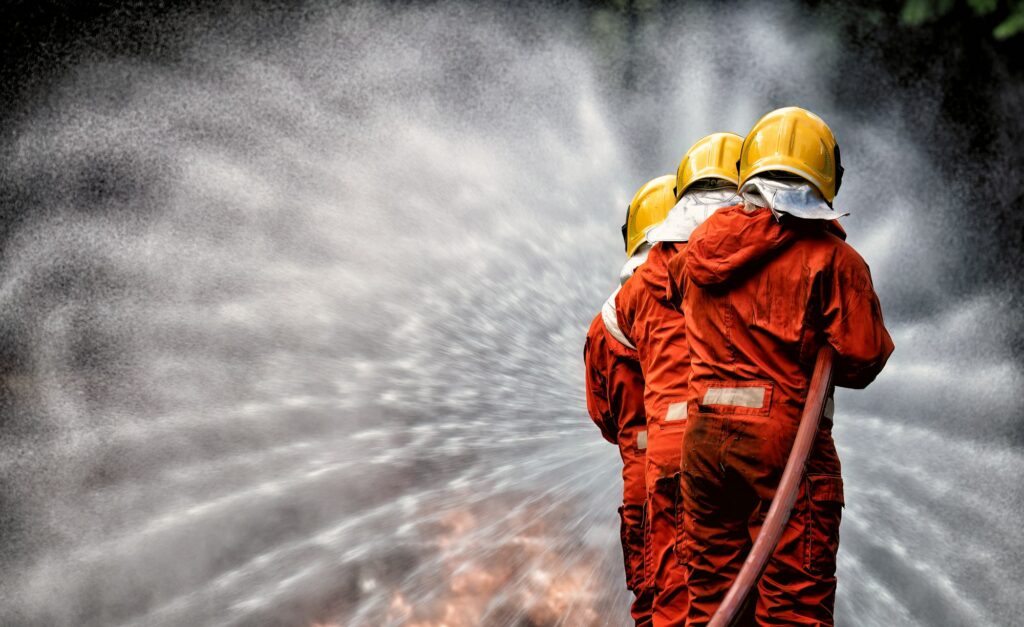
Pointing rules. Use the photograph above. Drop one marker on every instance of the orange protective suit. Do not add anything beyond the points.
(615, 401)
(760, 297)
(658, 331)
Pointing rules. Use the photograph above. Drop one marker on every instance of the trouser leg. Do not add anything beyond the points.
(799, 584)
(632, 532)
(668, 560)
(715, 514)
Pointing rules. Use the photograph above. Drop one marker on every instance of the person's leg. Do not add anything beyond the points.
(799, 584)
(632, 535)
(714, 518)
(670, 600)
(633, 513)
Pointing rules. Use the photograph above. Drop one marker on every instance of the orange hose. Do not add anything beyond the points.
(785, 496)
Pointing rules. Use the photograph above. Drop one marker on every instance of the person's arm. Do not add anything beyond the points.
(853, 322)
(597, 361)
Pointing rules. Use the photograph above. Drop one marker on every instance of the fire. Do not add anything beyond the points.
(499, 567)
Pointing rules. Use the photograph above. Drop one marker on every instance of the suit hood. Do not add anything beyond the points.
(736, 239)
(654, 272)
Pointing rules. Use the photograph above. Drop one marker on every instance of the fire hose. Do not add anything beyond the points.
(785, 496)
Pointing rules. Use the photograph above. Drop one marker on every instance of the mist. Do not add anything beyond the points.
(293, 313)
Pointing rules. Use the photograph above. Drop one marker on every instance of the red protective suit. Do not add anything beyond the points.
(615, 387)
(760, 297)
(658, 331)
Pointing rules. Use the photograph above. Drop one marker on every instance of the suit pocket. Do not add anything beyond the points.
(631, 532)
(682, 549)
(824, 513)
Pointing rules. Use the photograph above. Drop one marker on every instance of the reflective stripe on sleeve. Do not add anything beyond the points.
(676, 411)
(641, 441)
(611, 321)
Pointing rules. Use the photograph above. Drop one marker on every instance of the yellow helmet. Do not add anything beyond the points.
(649, 206)
(793, 140)
(713, 157)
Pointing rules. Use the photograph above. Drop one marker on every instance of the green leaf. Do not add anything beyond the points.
(1011, 25)
(917, 12)
(983, 7)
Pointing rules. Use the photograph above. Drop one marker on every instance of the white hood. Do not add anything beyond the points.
(634, 262)
(796, 198)
(692, 209)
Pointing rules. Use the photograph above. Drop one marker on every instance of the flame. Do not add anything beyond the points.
(509, 571)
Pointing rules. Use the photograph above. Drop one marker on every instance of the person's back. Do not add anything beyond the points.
(770, 294)
(648, 320)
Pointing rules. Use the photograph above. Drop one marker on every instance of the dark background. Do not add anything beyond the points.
(977, 76)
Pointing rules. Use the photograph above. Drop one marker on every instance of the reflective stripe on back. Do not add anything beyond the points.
(738, 397)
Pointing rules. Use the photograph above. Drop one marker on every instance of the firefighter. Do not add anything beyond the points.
(615, 401)
(705, 180)
(763, 285)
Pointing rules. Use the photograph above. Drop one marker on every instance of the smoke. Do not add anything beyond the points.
(293, 320)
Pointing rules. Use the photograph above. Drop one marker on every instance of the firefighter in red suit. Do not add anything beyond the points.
(704, 181)
(763, 285)
(615, 401)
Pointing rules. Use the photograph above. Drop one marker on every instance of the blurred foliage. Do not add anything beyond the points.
(1009, 13)
(611, 18)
